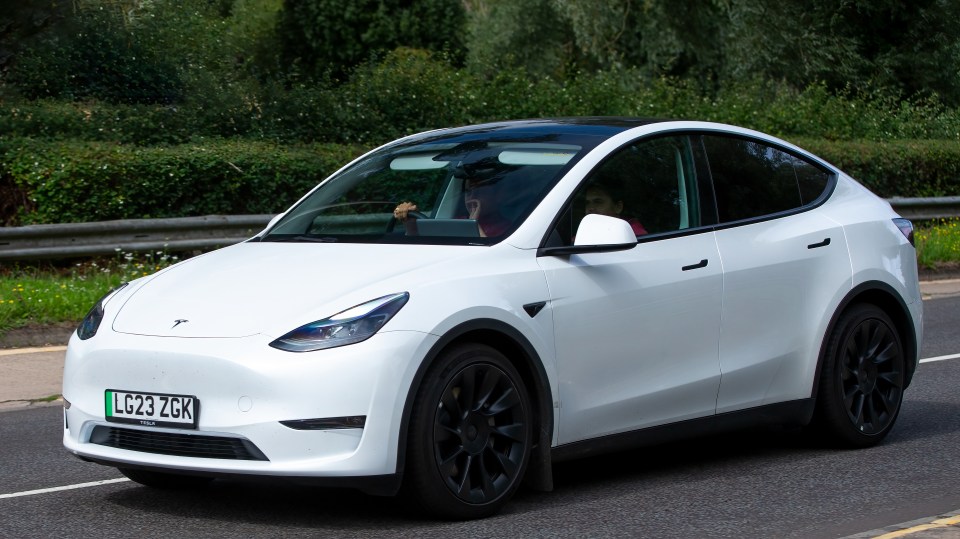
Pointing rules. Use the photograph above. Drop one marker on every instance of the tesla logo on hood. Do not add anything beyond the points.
(178, 322)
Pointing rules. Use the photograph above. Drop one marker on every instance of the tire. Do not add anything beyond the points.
(862, 379)
(166, 481)
(470, 435)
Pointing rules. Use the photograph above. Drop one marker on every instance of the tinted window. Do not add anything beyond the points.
(813, 180)
(651, 184)
(750, 179)
(753, 179)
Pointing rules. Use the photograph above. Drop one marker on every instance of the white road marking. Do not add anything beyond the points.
(58, 489)
(940, 358)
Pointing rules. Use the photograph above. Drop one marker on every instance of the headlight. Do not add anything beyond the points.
(351, 326)
(91, 323)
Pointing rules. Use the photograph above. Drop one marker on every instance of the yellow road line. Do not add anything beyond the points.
(939, 523)
(18, 351)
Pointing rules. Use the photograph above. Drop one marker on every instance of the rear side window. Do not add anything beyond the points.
(752, 179)
(813, 180)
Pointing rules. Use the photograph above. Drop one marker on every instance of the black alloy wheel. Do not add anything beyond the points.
(863, 377)
(471, 434)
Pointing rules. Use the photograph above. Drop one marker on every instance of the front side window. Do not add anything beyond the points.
(652, 184)
(752, 179)
(453, 190)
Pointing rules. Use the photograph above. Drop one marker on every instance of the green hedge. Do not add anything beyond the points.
(94, 181)
(410, 90)
(905, 168)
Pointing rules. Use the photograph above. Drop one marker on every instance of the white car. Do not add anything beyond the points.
(449, 314)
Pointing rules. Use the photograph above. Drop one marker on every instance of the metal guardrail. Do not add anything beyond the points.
(129, 235)
(209, 232)
(921, 209)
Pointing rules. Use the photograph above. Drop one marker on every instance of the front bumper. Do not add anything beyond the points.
(246, 389)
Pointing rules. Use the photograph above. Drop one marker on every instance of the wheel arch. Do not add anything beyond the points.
(518, 350)
(886, 298)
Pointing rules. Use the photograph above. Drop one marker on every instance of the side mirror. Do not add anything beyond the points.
(597, 234)
(597, 229)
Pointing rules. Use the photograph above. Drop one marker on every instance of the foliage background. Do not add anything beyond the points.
(154, 108)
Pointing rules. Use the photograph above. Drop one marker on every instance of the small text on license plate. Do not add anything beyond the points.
(151, 409)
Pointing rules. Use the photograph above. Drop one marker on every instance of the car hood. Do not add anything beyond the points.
(268, 288)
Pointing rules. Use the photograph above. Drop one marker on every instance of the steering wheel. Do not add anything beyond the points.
(410, 214)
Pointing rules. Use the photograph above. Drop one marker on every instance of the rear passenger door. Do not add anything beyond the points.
(784, 263)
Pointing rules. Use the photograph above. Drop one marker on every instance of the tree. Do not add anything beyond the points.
(93, 54)
(330, 35)
(507, 34)
(908, 47)
(913, 47)
(679, 38)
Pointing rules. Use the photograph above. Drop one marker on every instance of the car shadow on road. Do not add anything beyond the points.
(291, 507)
(750, 449)
(275, 505)
(711, 452)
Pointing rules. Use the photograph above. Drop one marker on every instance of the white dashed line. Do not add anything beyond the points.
(940, 358)
(58, 489)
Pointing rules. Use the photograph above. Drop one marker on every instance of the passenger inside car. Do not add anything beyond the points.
(605, 199)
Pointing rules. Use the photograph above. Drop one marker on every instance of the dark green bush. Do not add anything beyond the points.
(90, 181)
(902, 168)
(93, 56)
(91, 160)
(412, 90)
(320, 36)
(409, 91)
(51, 119)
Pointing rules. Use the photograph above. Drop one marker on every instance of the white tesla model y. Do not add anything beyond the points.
(449, 314)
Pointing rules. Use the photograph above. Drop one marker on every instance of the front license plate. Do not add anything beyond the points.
(151, 409)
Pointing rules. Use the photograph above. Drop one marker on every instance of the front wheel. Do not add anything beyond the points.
(862, 379)
(470, 434)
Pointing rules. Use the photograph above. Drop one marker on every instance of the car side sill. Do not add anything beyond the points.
(791, 413)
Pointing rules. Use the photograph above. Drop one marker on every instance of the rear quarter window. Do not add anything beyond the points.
(752, 179)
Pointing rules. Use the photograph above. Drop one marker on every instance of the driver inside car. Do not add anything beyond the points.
(480, 198)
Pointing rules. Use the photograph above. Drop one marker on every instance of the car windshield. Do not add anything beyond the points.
(459, 189)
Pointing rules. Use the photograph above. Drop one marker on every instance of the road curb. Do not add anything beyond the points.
(941, 288)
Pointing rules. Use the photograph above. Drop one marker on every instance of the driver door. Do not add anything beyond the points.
(637, 330)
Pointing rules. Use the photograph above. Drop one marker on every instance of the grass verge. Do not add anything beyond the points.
(49, 294)
(938, 243)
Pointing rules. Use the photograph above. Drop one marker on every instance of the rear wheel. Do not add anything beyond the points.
(862, 380)
(165, 480)
(470, 434)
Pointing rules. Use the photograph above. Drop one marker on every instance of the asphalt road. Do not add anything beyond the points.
(748, 484)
